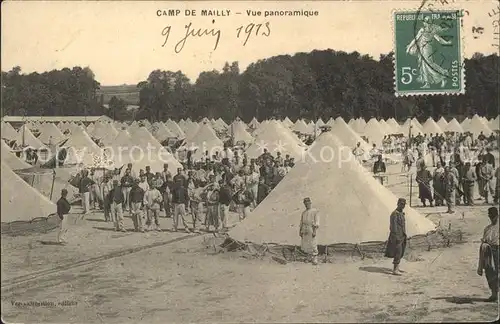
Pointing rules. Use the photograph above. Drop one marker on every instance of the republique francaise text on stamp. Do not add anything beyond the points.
(428, 53)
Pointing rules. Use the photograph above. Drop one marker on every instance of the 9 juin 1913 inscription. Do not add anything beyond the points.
(428, 53)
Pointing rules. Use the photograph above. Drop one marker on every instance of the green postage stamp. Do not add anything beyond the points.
(428, 53)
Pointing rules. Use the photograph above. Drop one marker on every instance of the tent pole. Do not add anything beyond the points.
(411, 187)
(53, 180)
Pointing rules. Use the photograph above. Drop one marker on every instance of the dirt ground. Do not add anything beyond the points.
(187, 281)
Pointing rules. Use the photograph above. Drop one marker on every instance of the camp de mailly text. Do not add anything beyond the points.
(227, 12)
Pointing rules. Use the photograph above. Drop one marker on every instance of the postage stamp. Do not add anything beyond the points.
(428, 53)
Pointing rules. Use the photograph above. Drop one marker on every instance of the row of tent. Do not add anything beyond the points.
(354, 207)
(207, 135)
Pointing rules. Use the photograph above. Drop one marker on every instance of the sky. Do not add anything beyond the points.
(122, 41)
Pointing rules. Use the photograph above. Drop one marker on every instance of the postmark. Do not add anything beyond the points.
(428, 53)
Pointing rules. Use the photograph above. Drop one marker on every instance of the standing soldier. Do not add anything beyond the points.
(116, 200)
(63, 207)
(106, 187)
(211, 195)
(136, 205)
(486, 173)
(488, 254)
(450, 183)
(195, 204)
(180, 199)
(152, 200)
(84, 188)
(396, 244)
(309, 224)
(469, 179)
(424, 179)
(127, 181)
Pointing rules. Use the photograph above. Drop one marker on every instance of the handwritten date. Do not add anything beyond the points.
(190, 32)
(254, 29)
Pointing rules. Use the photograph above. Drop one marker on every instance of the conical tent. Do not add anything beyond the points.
(134, 149)
(50, 134)
(147, 124)
(288, 122)
(161, 132)
(301, 127)
(90, 128)
(20, 201)
(254, 123)
(442, 123)
(81, 149)
(205, 140)
(386, 127)
(222, 122)
(430, 127)
(465, 123)
(320, 123)
(454, 126)
(394, 125)
(240, 133)
(274, 137)
(374, 132)
(11, 159)
(29, 139)
(142, 138)
(349, 137)
(415, 129)
(175, 129)
(102, 130)
(219, 125)
(476, 126)
(353, 123)
(493, 124)
(353, 206)
(123, 138)
(190, 130)
(49, 182)
(8, 132)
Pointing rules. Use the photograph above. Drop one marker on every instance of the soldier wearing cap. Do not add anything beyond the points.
(63, 207)
(396, 244)
(116, 199)
(488, 254)
(309, 224)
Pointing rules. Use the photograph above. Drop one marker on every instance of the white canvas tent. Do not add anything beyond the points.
(175, 129)
(20, 201)
(26, 138)
(431, 127)
(359, 212)
(11, 159)
(50, 134)
(349, 137)
(204, 140)
(240, 133)
(274, 137)
(8, 132)
(454, 126)
(374, 132)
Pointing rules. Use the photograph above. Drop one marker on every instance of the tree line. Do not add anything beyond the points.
(319, 84)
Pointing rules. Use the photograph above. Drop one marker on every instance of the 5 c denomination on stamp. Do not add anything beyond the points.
(428, 53)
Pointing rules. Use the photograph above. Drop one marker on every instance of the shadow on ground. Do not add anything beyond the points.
(49, 242)
(461, 299)
(376, 270)
(95, 220)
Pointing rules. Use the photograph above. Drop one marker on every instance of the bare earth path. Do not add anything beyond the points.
(185, 282)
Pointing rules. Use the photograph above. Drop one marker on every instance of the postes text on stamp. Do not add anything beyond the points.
(428, 53)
